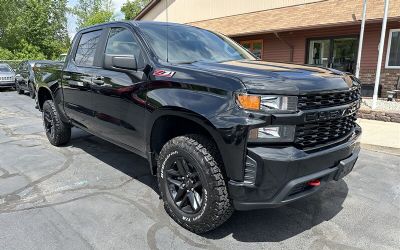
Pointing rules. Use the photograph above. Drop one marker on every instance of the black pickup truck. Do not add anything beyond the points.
(221, 129)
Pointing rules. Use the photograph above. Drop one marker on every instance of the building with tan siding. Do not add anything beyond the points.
(318, 32)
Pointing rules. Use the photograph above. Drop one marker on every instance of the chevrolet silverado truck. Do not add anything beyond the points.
(221, 129)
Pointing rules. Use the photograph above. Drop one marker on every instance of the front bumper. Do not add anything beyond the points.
(281, 175)
(7, 84)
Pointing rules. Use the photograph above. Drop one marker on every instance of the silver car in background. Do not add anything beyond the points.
(7, 76)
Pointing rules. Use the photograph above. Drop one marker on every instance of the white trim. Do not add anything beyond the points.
(388, 50)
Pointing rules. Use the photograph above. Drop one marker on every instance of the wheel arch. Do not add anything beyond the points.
(177, 121)
(43, 95)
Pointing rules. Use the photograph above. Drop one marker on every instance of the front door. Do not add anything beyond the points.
(338, 53)
(118, 93)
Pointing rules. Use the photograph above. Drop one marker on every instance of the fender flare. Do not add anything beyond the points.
(41, 89)
(182, 113)
(200, 120)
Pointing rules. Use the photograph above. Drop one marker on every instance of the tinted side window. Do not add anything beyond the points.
(87, 48)
(121, 41)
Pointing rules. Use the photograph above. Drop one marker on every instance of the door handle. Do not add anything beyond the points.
(66, 77)
(99, 80)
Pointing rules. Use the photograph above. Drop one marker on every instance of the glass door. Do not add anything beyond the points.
(319, 52)
(337, 53)
(344, 54)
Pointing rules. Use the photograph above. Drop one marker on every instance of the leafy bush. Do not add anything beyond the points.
(5, 54)
(28, 51)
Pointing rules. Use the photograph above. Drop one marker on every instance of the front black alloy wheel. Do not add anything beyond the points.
(184, 185)
(192, 185)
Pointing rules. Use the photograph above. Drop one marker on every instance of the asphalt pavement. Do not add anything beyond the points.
(91, 194)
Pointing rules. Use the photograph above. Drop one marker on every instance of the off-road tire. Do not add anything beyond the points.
(61, 133)
(216, 207)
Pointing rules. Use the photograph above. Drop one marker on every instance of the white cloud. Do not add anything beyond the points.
(117, 4)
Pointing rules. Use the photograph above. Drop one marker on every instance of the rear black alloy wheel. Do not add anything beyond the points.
(184, 185)
(192, 186)
(57, 131)
(48, 123)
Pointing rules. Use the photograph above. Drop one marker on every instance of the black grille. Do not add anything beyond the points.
(316, 101)
(319, 133)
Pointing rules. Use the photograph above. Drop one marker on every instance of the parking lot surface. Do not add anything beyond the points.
(91, 194)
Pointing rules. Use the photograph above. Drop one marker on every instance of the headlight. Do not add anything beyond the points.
(266, 102)
(275, 133)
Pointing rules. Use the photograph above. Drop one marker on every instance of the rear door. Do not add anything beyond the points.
(119, 102)
(77, 78)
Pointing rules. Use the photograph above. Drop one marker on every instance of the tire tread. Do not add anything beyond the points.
(222, 207)
(62, 130)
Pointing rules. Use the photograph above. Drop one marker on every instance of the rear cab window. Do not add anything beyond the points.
(86, 49)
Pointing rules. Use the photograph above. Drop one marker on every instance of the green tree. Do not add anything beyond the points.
(90, 12)
(132, 8)
(38, 27)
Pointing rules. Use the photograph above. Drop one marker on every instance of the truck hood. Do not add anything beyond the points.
(279, 78)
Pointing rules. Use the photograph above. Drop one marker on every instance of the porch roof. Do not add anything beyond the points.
(314, 15)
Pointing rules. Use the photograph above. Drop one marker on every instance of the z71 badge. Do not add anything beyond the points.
(164, 73)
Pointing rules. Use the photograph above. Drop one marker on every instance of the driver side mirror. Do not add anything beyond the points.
(121, 62)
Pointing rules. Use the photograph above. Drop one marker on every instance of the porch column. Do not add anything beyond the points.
(379, 64)
(360, 45)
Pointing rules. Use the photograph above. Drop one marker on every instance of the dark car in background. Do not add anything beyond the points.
(25, 77)
(7, 76)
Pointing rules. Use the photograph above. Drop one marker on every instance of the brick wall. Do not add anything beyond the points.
(389, 78)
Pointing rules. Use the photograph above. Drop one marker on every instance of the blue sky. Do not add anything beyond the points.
(72, 20)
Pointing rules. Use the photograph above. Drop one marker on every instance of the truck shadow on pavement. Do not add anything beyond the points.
(267, 225)
(278, 224)
(120, 159)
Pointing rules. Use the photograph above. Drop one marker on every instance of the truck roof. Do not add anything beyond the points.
(135, 23)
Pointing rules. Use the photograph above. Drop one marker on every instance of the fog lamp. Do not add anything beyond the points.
(277, 133)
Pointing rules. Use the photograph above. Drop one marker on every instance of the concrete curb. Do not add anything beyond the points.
(381, 149)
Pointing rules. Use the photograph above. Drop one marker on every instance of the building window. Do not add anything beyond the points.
(254, 46)
(393, 51)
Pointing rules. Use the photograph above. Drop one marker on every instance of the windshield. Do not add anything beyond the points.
(4, 68)
(189, 44)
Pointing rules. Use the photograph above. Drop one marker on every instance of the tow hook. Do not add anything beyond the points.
(314, 183)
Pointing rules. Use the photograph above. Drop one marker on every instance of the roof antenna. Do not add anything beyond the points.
(166, 14)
